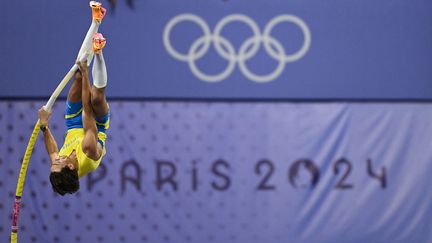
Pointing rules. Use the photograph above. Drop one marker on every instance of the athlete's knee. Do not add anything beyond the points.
(97, 98)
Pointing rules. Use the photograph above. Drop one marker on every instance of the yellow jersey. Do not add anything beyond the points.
(73, 142)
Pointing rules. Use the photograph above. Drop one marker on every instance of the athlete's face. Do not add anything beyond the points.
(62, 161)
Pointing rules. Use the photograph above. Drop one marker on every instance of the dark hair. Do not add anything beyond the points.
(65, 181)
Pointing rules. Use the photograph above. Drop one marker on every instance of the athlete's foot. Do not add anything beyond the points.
(98, 42)
(98, 12)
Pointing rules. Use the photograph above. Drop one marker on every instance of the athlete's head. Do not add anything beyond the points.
(64, 175)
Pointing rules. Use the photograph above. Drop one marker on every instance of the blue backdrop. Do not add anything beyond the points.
(351, 49)
(232, 172)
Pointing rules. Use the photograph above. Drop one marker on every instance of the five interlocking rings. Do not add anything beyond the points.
(248, 48)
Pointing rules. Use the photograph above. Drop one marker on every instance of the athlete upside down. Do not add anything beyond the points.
(87, 118)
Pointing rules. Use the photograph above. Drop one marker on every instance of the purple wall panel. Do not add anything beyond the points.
(240, 172)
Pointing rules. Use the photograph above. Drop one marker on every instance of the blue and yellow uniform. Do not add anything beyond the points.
(75, 136)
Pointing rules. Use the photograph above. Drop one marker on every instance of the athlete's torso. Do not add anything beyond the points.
(73, 142)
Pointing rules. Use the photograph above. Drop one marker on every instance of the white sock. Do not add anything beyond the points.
(87, 45)
(99, 71)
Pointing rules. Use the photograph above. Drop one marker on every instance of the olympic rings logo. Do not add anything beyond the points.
(247, 50)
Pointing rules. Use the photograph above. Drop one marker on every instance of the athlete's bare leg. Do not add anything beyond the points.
(99, 73)
(75, 92)
(99, 102)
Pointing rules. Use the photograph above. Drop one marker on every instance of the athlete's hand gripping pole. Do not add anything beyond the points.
(98, 12)
(29, 150)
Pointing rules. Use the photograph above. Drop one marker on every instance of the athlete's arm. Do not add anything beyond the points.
(50, 142)
(89, 143)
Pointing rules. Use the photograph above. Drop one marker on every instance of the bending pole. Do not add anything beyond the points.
(29, 150)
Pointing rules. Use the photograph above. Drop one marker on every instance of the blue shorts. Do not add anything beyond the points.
(73, 117)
